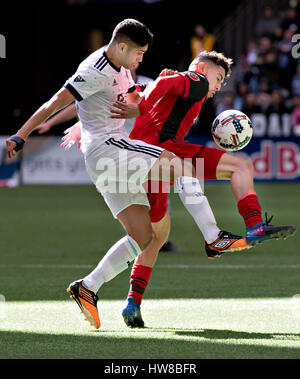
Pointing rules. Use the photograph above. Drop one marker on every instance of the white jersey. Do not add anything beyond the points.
(96, 85)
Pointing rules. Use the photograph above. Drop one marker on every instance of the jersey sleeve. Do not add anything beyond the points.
(196, 86)
(85, 83)
(163, 86)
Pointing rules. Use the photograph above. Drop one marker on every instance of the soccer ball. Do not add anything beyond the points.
(232, 130)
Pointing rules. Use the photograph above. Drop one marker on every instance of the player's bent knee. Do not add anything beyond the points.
(146, 243)
(162, 232)
(166, 155)
(161, 237)
(143, 240)
(169, 167)
(245, 166)
(230, 164)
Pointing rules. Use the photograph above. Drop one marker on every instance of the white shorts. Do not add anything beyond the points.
(119, 166)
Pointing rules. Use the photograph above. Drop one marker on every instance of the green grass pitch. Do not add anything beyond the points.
(243, 305)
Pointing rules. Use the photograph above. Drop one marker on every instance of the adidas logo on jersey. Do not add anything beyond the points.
(115, 83)
(79, 79)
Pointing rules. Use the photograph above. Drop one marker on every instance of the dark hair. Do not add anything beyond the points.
(218, 59)
(131, 30)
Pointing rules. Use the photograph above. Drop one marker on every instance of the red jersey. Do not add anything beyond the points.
(170, 108)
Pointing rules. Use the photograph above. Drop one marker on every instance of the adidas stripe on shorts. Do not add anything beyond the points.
(119, 166)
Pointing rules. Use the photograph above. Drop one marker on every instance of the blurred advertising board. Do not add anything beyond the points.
(44, 161)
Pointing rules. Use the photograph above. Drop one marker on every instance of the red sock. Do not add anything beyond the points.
(139, 279)
(250, 209)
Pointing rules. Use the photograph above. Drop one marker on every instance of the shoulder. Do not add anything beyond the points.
(96, 63)
(198, 84)
(196, 77)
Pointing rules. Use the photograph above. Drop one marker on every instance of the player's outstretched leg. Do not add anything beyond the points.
(258, 231)
(87, 302)
(240, 172)
(265, 232)
(226, 243)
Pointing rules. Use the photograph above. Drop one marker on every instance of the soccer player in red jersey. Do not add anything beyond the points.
(164, 117)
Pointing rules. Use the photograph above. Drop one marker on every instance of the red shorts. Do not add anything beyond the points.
(159, 201)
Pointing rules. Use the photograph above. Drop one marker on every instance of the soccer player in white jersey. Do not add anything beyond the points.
(100, 80)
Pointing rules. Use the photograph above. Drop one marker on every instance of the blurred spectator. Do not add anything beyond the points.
(268, 67)
(227, 103)
(241, 92)
(250, 106)
(267, 24)
(267, 60)
(201, 40)
(268, 77)
(295, 119)
(277, 34)
(277, 104)
(295, 85)
(295, 4)
(249, 75)
(286, 62)
(291, 20)
(251, 55)
(264, 101)
(264, 85)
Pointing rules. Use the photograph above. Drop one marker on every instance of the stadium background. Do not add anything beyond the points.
(46, 41)
(236, 307)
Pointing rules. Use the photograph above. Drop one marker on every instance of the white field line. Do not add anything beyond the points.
(175, 266)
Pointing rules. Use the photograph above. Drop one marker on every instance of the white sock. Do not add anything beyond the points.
(116, 260)
(191, 194)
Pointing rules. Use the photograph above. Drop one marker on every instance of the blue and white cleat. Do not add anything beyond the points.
(265, 232)
(132, 314)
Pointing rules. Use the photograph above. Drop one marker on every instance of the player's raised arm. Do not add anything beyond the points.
(59, 101)
(60, 117)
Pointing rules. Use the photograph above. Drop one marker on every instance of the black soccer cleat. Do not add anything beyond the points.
(265, 232)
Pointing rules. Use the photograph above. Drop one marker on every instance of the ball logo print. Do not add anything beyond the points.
(232, 130)
(237, 124)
